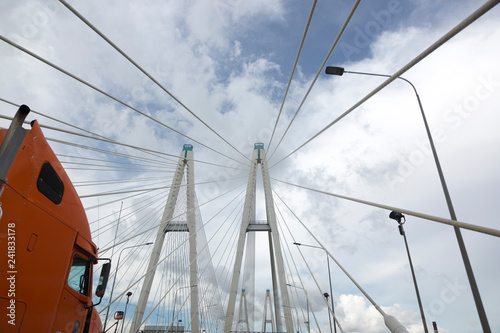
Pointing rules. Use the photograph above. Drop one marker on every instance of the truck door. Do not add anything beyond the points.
(76, 296)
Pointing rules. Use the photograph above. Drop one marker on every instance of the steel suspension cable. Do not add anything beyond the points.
(141, 208)
(187, 268)
(166, 160)
(446, 37)
(173, 218)
(110, 167)
(294, 67)
(469, 226)
(19, 47)
(104, 139)
(65, 123)
(148, 218)
(130, 156)
(288, 248)
(390, 321)
(74, 11)
(51, 118)
(294, 241)
(337, 39)
(114, 181)
(157, 164)
(99, 138)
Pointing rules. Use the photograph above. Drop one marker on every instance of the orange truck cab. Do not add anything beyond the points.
(47, 267)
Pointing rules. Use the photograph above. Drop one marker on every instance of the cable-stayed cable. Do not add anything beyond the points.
(337, 39)
(473, 227)
(146, 73)
(294, 67)
(450, 34)
(19, 47)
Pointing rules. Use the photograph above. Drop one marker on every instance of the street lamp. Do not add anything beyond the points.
(178, 324)
(333, 70)
(125, 313)
(398, 217)
(330, 280)
(175, 299)
(307, 305)
(114, 279)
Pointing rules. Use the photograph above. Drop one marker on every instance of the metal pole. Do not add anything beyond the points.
(402, 232)
(175, 299)
(114, 279)
(112, 252)
(125, 313)
(308, 322)
(329, 315)
(461, 244)
(331, 294)
(17, 121)
(330, 280)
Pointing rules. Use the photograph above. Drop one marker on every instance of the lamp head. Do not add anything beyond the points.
(333, 70)
(129, 294)
(397, 216)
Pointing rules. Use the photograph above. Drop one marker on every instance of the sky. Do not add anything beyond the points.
(229, 63)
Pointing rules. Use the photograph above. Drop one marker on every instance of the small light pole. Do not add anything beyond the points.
(400, 218)
(334, 70)
(329, 317)
(125, 313)
(175, 299)
(330, 280)
(114, 279)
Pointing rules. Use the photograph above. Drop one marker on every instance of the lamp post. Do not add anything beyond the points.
(330, 280)
(333, 70)
(125, 313)
(307, 305)
(398, 217)
(114, 279)
(175, 299)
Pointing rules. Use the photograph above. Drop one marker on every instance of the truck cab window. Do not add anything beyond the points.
(78, 275)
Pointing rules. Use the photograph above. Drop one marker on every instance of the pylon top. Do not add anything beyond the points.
(258, 145)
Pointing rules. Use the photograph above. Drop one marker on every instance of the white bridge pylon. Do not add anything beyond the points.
(278, 280)
(185, 162)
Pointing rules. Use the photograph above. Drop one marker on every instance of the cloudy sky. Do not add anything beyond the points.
(229, 63)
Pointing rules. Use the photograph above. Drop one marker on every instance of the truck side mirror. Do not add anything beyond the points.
(103, 280)
(118, 315)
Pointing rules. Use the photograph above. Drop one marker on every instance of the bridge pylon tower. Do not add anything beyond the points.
(277, 263)
(185, 163)
(266, 319)
(243, 314)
